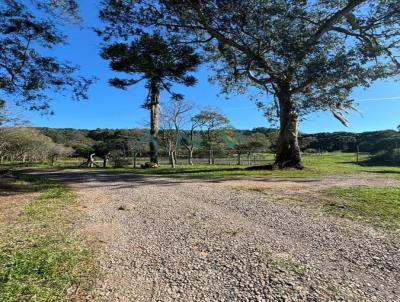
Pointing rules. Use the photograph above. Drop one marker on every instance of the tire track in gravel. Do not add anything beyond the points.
(171, 239)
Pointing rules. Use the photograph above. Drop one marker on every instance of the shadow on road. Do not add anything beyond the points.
(96, 178)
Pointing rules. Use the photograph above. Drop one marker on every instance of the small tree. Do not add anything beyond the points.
(173, 117)
(157, 63)
(103, 150)
(58, 150)
(249, 143)
(211, 121)
(192, 137)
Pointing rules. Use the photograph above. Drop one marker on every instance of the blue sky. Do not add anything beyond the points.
(109, 107)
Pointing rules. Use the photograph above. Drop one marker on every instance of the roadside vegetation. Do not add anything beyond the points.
(42, 257)
(316, 165)
(377, 205)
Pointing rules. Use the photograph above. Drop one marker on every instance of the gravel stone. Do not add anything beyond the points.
(200, 240)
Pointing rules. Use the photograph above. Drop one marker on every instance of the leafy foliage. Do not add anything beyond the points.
(26, 73)
(319, 50)
(307, 55)
(153, 60)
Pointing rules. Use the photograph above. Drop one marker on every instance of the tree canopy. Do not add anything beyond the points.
(151, 59)
(157, 62)
(27, 73)
(307, 55)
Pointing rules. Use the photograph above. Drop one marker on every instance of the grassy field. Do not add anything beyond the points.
(42, 258)
(377, 205)
(315, 165)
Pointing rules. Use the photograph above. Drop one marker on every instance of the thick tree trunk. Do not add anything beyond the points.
(210, 156)
(154, 111)
(288, 150)
(239, 159)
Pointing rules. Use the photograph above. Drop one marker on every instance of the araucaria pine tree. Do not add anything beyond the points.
(160, 64)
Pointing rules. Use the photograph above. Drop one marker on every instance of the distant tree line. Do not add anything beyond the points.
(206, 135)
(29, 144)
(370, 142)
(196, 141)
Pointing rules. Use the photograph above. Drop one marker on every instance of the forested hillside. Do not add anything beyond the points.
(82, 140)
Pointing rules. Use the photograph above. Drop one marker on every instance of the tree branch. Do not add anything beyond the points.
(328, 23)
(222, 38)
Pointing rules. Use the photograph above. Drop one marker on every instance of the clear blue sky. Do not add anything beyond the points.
(109, 107)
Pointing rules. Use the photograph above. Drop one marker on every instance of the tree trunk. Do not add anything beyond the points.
(105, 161)
(154, 111)
(53, 160)
(288, 150)
(90, 162)
(190, 157)
(210, 160)
(170, 152)
(239, 159)
(134, 159)
(172, 159)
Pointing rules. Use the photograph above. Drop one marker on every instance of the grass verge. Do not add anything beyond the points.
(377, 205)
(42, 257)
(315, 165)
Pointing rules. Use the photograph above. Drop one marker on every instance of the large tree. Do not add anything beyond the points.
(160, 64)
(306, 55)
(29, 76)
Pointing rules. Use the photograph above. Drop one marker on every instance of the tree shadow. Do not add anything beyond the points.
(15, 184)
(377, 163)
(382, 171)
(383, 166)
(184, 172)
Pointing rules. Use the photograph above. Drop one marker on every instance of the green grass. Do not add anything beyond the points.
(315, 165)
(377, 205)
(41, 257)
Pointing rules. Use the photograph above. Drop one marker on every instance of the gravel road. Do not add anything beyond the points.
(168, 239)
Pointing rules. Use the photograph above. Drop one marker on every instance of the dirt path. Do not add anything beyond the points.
(171, 239)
